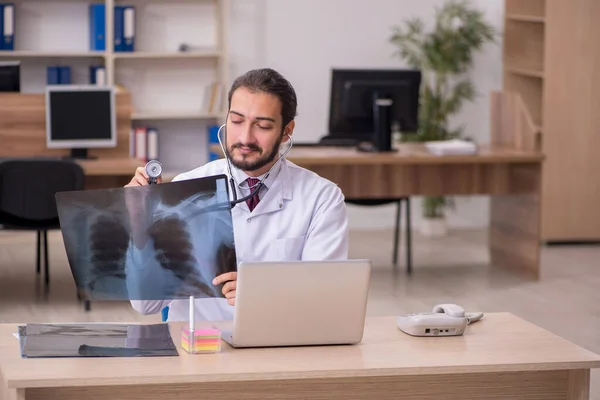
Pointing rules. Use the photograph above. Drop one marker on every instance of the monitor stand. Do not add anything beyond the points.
(382, 135)
(79, 154)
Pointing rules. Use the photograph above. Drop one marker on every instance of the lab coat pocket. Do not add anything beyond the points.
(288, 249)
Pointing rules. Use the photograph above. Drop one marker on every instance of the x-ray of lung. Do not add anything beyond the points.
(96, 340)
(155, 242)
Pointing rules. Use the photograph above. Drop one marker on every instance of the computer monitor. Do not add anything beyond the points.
(365, 103)
(80, 117)
(10, 76)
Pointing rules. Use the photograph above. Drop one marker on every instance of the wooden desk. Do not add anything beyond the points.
(512, 176)
(500, 356)
(412, 170)
(110, 167)
(104, 173)
(23, 134)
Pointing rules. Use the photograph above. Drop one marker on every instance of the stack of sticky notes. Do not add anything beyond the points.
(201, 340)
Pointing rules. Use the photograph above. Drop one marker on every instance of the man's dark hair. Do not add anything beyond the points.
(269, 81)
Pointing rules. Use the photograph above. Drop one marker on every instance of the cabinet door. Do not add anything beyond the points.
(571, 121)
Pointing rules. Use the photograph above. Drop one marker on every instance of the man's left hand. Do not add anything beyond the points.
(230, 280)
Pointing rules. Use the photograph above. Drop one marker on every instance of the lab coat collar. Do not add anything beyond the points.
(278, 184)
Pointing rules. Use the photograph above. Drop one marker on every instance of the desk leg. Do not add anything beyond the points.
(514, 238)
(12, 394)
(579, 384)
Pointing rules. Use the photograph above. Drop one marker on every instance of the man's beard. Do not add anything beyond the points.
(246, 165)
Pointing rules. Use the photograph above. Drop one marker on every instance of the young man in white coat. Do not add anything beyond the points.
(298, 215)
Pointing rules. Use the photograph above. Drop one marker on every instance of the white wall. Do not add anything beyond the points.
(304, 39)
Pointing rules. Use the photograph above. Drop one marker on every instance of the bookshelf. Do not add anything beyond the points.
(169, 87)
(550, 55)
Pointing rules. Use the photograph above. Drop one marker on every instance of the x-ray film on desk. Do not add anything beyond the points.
(96, 340)
(154, 242)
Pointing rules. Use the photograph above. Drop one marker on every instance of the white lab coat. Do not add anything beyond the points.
(302, 216)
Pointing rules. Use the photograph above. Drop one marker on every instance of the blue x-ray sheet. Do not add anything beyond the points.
(155, 242)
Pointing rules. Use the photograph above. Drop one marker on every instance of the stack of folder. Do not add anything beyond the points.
(7, 26)
(144, 143)
(124, 34)
(98, 75)
(58, 75)
(213, 139)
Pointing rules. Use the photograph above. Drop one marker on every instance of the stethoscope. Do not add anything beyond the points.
(257, 186)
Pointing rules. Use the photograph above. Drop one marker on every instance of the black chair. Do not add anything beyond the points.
(398, 202)
(27, 189)
(353, 142)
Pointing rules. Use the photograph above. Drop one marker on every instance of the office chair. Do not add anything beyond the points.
(398, 202)
(27, 189)
(335, 141)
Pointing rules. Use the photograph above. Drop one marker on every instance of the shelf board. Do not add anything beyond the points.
(140, 55)
(525, 72)
(148, 116)
(50, 54)
(525, 18)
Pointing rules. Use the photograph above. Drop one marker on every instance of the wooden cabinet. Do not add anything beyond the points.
(552, 60)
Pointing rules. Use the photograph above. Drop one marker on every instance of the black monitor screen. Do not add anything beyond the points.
(10, 77)
(352, 96)
(80, 115)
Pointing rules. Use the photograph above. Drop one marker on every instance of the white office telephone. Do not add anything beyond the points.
(444, 320)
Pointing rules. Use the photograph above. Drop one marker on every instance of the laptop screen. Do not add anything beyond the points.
(154, 242)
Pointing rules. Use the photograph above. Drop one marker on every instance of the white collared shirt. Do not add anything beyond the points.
(300, 216)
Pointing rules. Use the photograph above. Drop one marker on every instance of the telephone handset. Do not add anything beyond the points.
(444, 320)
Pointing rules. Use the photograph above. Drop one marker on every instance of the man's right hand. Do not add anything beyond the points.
(141, 178)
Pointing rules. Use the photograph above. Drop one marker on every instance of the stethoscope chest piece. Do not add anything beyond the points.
(154, 170)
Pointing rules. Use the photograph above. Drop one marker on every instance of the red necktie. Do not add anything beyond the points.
(252, 201)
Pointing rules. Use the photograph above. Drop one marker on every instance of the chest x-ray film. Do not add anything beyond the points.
(154, 242)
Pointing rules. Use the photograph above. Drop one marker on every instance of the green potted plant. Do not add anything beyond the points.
(443, 55)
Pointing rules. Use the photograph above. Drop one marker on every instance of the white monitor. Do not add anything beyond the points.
(79, 117)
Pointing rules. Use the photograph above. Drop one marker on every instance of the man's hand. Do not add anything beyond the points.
(230, 280)
(141, 178)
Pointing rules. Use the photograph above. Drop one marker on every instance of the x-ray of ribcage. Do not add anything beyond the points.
(155, 242)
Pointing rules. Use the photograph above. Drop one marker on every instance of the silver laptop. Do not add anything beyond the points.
(300, 303)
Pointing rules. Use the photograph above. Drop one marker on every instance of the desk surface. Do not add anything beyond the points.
(110, 166)
(409, 153)
(498, 343)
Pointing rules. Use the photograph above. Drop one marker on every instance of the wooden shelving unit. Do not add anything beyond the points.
(168, 87)
(170, 56)
(50, 54)
(550, 58)
(175, 116)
